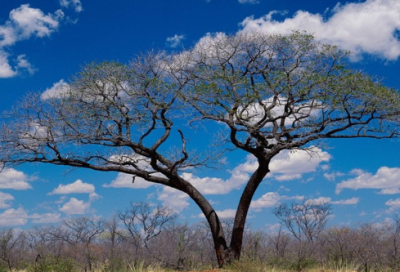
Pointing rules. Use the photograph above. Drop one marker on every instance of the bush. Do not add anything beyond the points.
(53, 264)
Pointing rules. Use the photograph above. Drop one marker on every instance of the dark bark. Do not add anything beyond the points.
(235, 247)
(211, 216)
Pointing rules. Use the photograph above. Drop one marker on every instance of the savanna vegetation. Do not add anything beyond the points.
(267, 93)
(147, 238)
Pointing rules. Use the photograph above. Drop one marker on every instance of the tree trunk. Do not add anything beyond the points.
(224, 253)
(214, 223)
(235, 247)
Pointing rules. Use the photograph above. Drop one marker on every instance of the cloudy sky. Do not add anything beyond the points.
(44, 43)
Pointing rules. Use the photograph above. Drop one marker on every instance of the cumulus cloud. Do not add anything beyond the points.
(13, 217)
(385, 178)
(13, 179)
(5, 68)
(390, 191)
(46, 218)
(173, 199)
(23, 63)
(272, 199)
(5, 199)
(75, 4)
(78, 187)
(393, 204)
(27, 22)
(212, 186)
(332, 176)
(128, 181)
(223, 214)
(364, 27)
(350, 201)
(75, 206)
(288, 165)
(269, 199)
(318, 201)
(58, 89)
(24, 23)
(175, 40)
(326, 200)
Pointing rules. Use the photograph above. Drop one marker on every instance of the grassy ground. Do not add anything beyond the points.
(233, 269)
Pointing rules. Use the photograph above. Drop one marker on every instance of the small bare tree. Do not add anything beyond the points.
(305, 221)
(144, 222)
(12, 247)
(81, 234)
(279, 242)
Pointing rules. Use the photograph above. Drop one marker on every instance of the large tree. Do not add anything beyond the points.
(270, 92)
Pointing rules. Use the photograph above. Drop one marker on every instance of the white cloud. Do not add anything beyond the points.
(269, 199)
(332, 176)
(365, 27)
(212, 186)
(46, 218)
(13, 179)
(24, 22)
(385, 178)
(5, 69)
(228, 213)
(58, 89)
(350, 201)
(76, 4)
(328, 200)
(23, 63)
(125, 181)
(249, 1)
(93, 196)
(28, 22)
(390, 191)
(173, 198)
(75, 206)
(13, 217)
(289, 164)
(318, 201)
(393, 204)
(78, 187)
(4, 199)
(175, 40)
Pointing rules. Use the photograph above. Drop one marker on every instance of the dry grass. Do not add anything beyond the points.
(237, 267)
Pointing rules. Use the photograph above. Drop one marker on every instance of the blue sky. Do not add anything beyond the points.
(44, 43)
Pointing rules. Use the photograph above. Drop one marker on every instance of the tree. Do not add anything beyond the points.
(81, 234)
(272, 92)
(305, 221)
(143, 223)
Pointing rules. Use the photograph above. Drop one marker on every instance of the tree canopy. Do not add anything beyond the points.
(270, 93)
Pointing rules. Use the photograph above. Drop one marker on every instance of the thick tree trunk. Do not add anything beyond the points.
(235, 247)
(214, 223)
(224, 253)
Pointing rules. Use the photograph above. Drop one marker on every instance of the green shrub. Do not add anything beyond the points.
(53, 264)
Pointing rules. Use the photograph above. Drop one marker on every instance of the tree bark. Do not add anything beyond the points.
(211, 216)
(243, 208)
